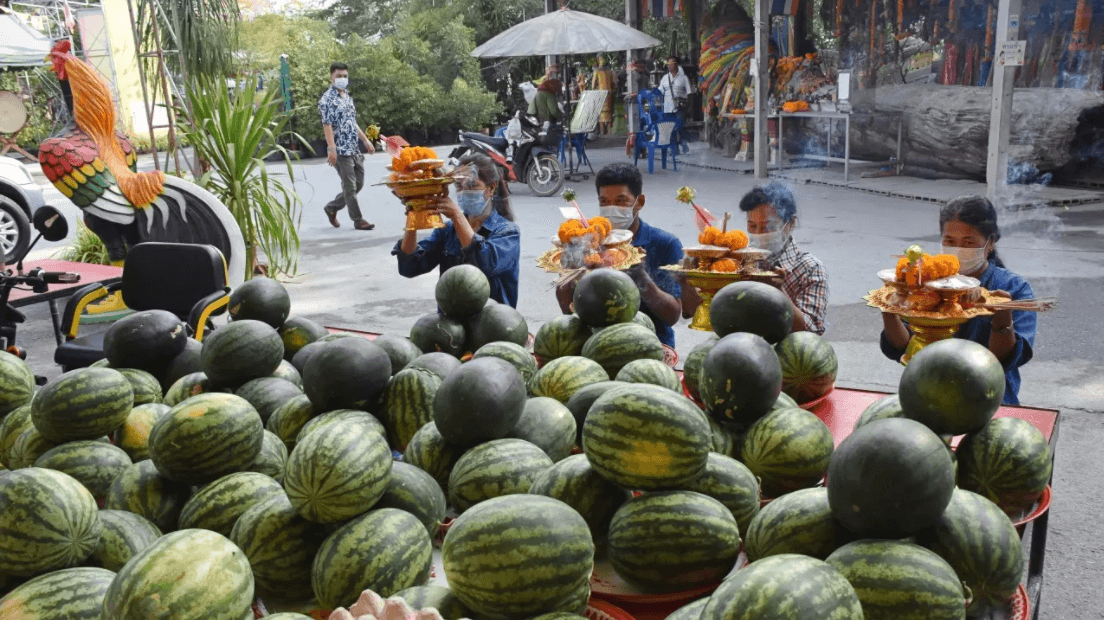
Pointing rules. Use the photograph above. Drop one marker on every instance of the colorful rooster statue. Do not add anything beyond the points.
(95, 167)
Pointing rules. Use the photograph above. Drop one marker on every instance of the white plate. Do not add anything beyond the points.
(887, 275)
(617, 237)
(957, 282)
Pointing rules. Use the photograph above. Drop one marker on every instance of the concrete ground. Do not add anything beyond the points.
(348, 278)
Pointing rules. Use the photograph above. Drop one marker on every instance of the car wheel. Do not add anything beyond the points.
(15, 231)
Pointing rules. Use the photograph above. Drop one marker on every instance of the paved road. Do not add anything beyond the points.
(348, 278)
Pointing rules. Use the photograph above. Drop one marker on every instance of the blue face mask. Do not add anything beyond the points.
(471, 202)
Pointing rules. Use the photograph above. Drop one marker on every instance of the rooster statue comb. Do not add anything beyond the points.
(95, 167)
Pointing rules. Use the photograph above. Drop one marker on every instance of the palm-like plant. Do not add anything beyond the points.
(232, 135)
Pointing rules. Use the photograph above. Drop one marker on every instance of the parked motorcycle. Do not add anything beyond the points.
(51, 225)
(534, 153)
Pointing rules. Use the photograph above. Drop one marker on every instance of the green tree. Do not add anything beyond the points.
(204, 31)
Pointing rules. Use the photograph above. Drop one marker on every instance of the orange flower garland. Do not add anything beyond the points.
(733, 239)
(795, 106)
(410, 155)
(930, 268)
(725, 265)
(600, 227)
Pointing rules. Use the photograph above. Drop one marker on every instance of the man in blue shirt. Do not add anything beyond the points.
(339, 122)
(620, 200)
(480, 232)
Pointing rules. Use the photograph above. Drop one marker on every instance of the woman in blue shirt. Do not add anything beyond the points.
(480, 231)
(968, 225)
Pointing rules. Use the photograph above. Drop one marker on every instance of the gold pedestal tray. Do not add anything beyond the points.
(709, 283)
(929, 326)
(420, 195)
(619, 257)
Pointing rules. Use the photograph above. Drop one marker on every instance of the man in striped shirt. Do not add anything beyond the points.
(771, 216)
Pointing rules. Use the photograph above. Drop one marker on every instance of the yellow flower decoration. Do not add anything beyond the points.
(685, 194)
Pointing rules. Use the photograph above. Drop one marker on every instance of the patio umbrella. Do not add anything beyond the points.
(565, 32)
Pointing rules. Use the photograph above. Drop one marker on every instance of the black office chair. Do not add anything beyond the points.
(186, 279)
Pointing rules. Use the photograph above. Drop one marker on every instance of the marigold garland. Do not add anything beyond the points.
(410, 155)
(795, 106)
(600, 227)
(733, 239)
(725, 265)
(926, 269)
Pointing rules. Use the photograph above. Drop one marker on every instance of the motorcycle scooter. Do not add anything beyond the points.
(535, 160)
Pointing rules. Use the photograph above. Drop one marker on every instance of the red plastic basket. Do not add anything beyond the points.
(1041, 507)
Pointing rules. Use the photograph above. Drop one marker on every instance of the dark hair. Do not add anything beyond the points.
(620, 174)
(489, 174)
(774, 194)
(338, 66)
(674, 58)
(978, 212)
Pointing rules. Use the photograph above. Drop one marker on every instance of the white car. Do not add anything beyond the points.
(20, 196)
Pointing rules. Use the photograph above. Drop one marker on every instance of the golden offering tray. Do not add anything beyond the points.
(709, 283)
(930, 326)
(420, 195)
(618, 257)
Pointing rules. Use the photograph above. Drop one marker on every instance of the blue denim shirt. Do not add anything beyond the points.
(661, 248)
(977, 329)
(495, 249)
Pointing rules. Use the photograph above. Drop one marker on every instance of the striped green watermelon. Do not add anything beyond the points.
(884, 407)
(808, 364)
(550, 559)
(290, 418)
(580, 402)
(205, 438)
(47, 521)
(900, 581)
(752, 307)
(133, 435)
(438, 597)
(438, 333)
(690, 611)
(288, 373)
(261, 299)
(726, 441)
(70, 594)
(416, 492)
(980, 543)
(730, 482)
(740, 379)
(385, 550)
(17, 383)
(28, 447)
(564, 376)
(400, 349)
(124, 535)
(890, 479)
(481, 401)
(146, 387)
(440, 364)
(513, 353)
(493, 469)
(952, 386)
(272, 459)
(549, 425)
(645, 320)
(337, 416)
(11, 427)
(787, 450)
(280, 546)
(1009, 462)
(496, 323)
(563, 336)
(297, 332)
(188, 386)
(462, 291)
(267, 394)
(782, 587)
(240, 351)
(337, 472)
(783, 402)
(673, 540)
(87, 403)
(346, 373)
(691, 367)
(646, 437)
(653, 372)
(605, 297)
(620, 344)
(210, 578)
(574, 482)
(185, 363)
(141, 489)
(408, 404)
(429, 452)
(94, 464)
(799, 522)
(218, 505)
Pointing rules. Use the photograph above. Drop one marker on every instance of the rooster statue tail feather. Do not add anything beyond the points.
(96, 168)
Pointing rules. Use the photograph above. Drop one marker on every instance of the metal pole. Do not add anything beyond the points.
(762, 88)
(632, 16)
(1004, 80)
(149, 107)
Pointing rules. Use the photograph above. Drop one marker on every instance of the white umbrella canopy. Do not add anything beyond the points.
(565, 32)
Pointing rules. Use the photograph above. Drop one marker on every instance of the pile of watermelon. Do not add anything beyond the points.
(277, 460)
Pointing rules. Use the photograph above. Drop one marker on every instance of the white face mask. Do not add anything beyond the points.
(969, 259)
(341, 83)
(772, 242)
(619, 217)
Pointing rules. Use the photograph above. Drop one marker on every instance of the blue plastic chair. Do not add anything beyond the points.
(649, 107)
(662, 135)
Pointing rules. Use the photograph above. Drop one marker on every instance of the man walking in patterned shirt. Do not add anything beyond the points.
(771, 216)
(342, 132)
